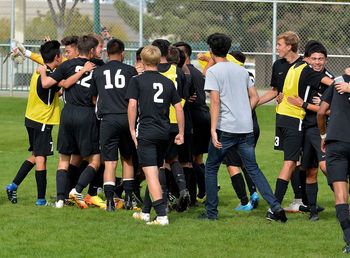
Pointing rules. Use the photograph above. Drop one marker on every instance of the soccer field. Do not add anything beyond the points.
(30, 231)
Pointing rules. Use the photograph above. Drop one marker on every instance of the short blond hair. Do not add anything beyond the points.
(150, 55)
(291, 39)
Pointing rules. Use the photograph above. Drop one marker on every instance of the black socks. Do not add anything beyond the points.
(23, 171)
(239, 187)
(41, 182)
(281, 189)
(85, 178)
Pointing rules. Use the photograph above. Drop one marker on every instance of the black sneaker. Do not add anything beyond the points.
(346, 249)
(184, 201)
(110, 206)
(314, 216)
(306, 208)
(171, 202)
(278, 215)
(12, 195)
(204, 216)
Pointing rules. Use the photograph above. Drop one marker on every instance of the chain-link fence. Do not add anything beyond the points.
(252, 25)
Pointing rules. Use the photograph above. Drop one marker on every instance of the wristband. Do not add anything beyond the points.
(305, 104)
(323, 136)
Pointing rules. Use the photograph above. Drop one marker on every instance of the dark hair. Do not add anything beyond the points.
(163, 46)
(187, 48)
(86, 43)
(173, 56)
(317, 49)
(219, 44)
(238, 55)
(115, 46)
(138, 54)
(70, 40)
(309, 45)
(49, 50)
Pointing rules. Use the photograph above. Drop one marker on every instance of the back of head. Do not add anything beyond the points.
(186, 47)
(163, 46)
(70, 40)
(219, 44)
(98, 37)
(238, 55)
(150, 55)
(291, 39)
(86, 44)
(138, 54)
(173, 56)
(49, 50)
(115, 46)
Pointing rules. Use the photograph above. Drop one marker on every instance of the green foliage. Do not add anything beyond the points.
(44, 26)
(29, 231)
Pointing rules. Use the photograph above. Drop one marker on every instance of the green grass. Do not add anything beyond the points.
(28, 231)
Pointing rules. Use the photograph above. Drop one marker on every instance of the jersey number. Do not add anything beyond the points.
(84, 81)
(159, 88)
(277, 141)
(119, 80)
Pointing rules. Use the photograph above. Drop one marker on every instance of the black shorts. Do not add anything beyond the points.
(312, 148)
(289, 141)
(185, 149)
(78, 132)
(114, 136)
(201, 131)
(151, 152)
(337, 161)
(40, 141)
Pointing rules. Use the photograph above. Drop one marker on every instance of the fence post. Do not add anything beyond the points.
(141, 23)
(12, 33)
(274, 31)
(97, 25)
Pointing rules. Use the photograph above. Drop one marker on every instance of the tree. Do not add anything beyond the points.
(63, 16)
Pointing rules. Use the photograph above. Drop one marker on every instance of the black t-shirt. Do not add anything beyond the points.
(279, 72)
(97, 62)
(339, 121)
(198, 81)
(78, 94)
(309, 80)
(154, 93)
(110, 82)
(310, 119)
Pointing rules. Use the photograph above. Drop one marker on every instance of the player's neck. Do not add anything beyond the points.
(115, 58)
(150, 68)
(292, 57)
(218, 59)
(163, 60)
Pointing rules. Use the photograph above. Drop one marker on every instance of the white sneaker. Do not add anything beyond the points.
(59, 204)
(294, 206)
(142, 216)
(160, 220)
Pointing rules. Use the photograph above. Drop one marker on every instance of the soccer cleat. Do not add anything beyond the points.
(59, 204)
(119, 203)
(254, 200)
(248, 207)
(128, 202)
(160, 221)
(11, 191)
(171, 202)
(41, 202)
(95, 200)
(110, 207)
(201, 200)
(142, 216)
(78, 199)
(314, 216)
(346, 249)
(294, 206)
(306, 208)
(278, 215)
(184, 201)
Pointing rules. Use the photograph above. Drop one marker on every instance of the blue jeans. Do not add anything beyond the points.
(244, 145)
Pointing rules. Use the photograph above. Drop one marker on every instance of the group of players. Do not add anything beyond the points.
(156, 117)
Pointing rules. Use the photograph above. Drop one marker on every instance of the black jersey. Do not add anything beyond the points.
(154, 93)
(78, 94)
(110, 83)
(279, 72)
(180, 78)
(339, 121)
(97, 62)
(310, 119)
(198, 85)
(308, 80)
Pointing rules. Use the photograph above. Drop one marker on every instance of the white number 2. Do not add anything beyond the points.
(84, 81)
(119, 80)
(159, 88)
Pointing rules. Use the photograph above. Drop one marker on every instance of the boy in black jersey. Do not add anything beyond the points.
(151, 94)
(110, 83)
(43, 111)
(78, 133)
(336, 144)
(175, 74)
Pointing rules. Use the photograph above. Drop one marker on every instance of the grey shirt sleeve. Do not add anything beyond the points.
(211, 82)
